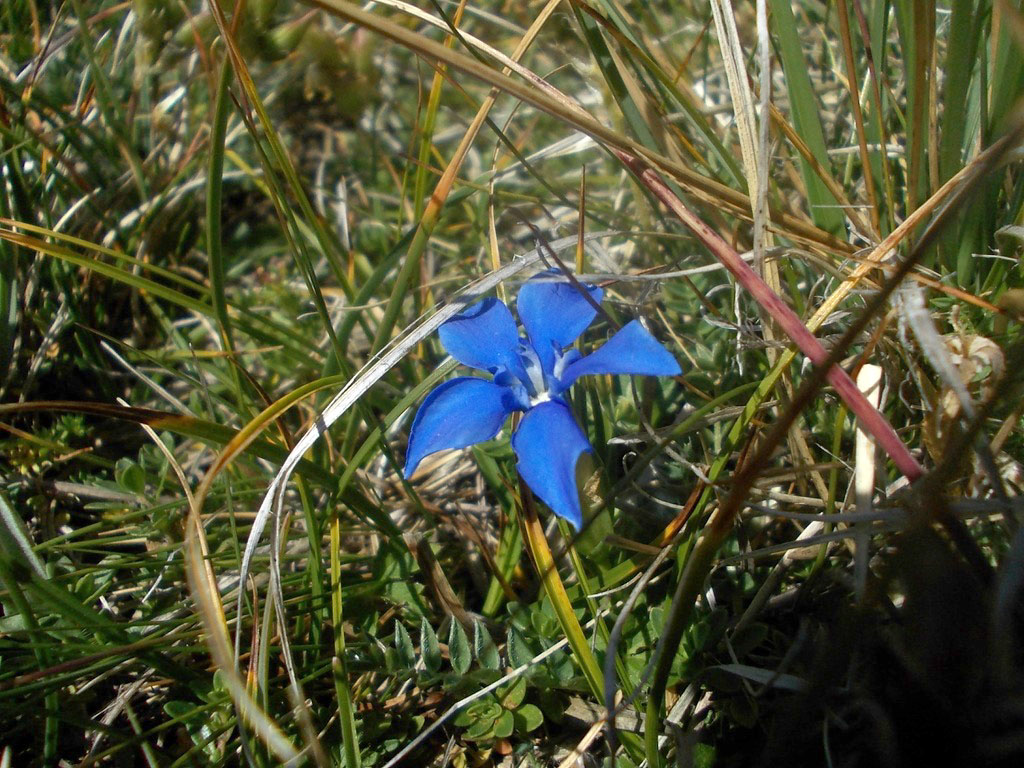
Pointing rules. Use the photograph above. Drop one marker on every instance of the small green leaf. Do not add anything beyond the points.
(562, 667)
(490, 709)
(480, 730)
(429, 648)
(527, 718)
(403, 645)
(197, 725)
(519, 614)
(545, 622)
(483, 647)
(221, 690)
(458, 648)
(518, 653)
(514, 696)
(504, 725)
(130, 476)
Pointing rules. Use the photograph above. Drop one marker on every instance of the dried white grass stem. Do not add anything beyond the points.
(916, 315)
(746, 129)
(869, 381)
(739, 89)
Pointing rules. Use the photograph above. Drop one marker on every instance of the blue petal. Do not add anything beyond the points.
(484, 336)
(554, 313)
(631, 350)
(548, 444)
(455, 414)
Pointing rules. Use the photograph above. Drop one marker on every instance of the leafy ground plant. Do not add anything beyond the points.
(237, 242)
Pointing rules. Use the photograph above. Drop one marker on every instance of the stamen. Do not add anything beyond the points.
(534, 371)
(562, 360)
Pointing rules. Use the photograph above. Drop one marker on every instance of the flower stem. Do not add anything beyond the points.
(599, 622)
(540, 554)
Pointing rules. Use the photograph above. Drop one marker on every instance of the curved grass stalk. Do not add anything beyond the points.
(203, 586)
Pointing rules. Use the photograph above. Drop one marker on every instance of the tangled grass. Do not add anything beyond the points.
(228, 232)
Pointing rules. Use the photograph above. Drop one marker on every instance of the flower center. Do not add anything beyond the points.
(540, 386)
(536, 384)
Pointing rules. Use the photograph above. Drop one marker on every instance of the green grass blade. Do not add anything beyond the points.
(214, 190)
(805, 110)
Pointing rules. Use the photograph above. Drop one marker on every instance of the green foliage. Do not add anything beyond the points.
(499, 714)
(210, 225)
(207, 722)
(464, 670)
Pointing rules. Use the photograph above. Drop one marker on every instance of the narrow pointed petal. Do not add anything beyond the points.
(631, 350)
(483, 337)
(548, 444)
(554, 313)
(455, 414)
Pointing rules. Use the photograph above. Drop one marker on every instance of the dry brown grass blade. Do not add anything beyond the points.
(858, 115)
(849, 209)
(203, 586)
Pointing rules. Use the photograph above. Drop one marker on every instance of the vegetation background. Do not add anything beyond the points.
(228, 231)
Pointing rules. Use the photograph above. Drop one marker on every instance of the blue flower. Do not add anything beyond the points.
(531, 375)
